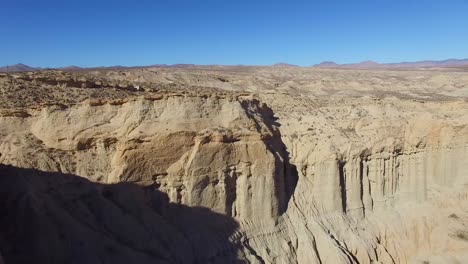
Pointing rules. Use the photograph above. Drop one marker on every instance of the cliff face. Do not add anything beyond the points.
(235, 178)
(379, 180)
(224, 154)
(201, 151)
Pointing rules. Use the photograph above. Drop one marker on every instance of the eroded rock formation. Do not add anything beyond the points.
(293, 176)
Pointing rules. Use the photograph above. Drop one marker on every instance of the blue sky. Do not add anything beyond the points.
(101, 33)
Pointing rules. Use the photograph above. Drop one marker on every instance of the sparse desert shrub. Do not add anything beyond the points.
(454, 216)
(462, 235)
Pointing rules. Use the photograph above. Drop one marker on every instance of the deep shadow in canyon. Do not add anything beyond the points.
(50, 217)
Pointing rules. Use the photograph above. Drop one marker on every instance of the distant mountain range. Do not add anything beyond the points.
(326, 64)
(282, 64)
(25, 68)
(375, 65)
(18, 68)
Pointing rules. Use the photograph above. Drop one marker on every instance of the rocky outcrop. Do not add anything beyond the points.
(67, 79)
(218, 153)
(376, 186)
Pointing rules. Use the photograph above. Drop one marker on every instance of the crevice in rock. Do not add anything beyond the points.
(253, 252)
(361, 190)
(342, 176)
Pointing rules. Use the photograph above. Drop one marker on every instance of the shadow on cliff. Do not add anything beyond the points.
(50, 217)
(286, 174)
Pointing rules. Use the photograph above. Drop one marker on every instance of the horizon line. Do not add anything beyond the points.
(236, 65)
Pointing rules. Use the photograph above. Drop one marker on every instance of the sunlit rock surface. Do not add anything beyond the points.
(235, 165)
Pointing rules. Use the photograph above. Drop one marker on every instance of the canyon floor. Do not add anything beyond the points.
(234, 164)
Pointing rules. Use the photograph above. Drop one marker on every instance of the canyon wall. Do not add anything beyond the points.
(380, 180)
(235, 178)
(224, 154)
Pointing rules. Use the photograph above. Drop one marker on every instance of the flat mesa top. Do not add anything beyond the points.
(73, 86)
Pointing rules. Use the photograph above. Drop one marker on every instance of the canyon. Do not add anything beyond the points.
(234, 164)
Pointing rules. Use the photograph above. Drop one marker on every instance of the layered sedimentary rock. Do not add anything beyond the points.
(290, 177)
(224, 154)
(202, 151)
(376, 176)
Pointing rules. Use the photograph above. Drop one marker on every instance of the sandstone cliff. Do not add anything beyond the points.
(299, 175)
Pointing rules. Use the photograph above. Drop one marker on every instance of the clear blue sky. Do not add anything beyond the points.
(100, 33)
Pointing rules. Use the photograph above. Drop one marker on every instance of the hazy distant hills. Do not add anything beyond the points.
(326, 64)
(18, 68)
(375, 65)
(71, 68)
(282, 64)
(25, 68)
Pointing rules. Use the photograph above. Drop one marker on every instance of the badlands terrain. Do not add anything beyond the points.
(234, 165)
